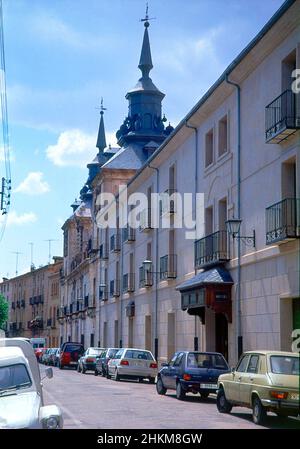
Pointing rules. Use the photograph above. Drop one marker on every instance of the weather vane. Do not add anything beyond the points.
(147, 18)
(102, 108)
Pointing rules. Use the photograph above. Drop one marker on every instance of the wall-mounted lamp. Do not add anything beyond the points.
(233, 228)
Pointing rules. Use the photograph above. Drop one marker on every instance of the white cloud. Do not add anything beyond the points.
(53, 29)
(75, 148)
(14, 219)
(33, 184)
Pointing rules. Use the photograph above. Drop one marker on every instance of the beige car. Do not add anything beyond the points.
(263, 381)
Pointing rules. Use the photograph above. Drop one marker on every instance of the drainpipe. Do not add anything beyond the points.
(121, 290)
(196, 342)
(238, 286)
(156, 274)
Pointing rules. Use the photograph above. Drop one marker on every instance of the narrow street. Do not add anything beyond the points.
(95, 402)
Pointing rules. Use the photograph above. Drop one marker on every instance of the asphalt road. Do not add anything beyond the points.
(95, 402)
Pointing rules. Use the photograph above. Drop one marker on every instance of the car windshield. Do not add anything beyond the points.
(213, 361)
(14, 376)
(73, 348)
(135, 354)
(94, 351)
(111, 353)
(285, 365)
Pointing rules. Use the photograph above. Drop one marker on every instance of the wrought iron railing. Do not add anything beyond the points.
(283, 220)
(281, 116)
(168, 267)
(212, 249)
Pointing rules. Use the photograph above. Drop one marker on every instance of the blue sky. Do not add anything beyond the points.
(63, 55)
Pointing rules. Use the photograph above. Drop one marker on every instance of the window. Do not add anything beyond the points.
(179, 359)
(173, 359)
(223, 136)
(14, 376)
(253, 364)
(242, 366)
(209, 148)
(285, 365)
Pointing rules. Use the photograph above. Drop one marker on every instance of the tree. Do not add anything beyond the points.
(3, 311)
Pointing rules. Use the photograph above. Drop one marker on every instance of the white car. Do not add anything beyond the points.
(21, 394)
(131, 363)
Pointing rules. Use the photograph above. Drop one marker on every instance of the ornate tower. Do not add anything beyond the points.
(144, 122)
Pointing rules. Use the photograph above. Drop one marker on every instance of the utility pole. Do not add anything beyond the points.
(17, 253)
(50, 245)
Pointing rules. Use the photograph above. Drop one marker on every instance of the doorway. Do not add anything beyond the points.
(221, 333)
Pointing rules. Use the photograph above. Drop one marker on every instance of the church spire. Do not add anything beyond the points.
(101, 140)
(145, 64)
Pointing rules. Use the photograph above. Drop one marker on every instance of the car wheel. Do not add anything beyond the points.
(204, 394)
(108, 376)
(180, 393)
(160, 387)
(152, 380)
(258, 412)
(96, 372)
(222, 404)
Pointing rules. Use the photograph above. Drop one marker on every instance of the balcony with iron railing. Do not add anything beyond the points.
(212, 249)
(282, 117)
(145, 278)
(128, 283)
(168, 267)
(103, 251)
(167, 202)
(103, 293)
(115, 242)
(283, 221)
(128, 234)
(145, 220)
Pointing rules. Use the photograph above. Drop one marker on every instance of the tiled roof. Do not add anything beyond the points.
(216, 275)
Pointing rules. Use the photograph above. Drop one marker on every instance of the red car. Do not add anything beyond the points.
(70, 353)
(39, 353)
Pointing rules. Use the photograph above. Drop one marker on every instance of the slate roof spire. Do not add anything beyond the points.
(101, 140)
(145, 64)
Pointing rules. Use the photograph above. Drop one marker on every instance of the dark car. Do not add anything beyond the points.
(192, 372)
(69, 355)
(102, 361)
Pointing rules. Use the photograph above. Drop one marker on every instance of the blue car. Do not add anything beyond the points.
(191, 372)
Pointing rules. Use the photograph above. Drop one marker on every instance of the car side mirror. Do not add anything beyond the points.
(48, 373)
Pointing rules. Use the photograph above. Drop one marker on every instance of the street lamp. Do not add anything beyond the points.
(147, 265)
(233, 228)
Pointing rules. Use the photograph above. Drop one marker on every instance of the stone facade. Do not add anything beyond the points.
(247, 168)
(34, 300)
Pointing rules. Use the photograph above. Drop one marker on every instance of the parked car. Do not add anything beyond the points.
(56, 357)
(191, 372)
(130, 363)
(70, 353)
(263, 381)
(40, 352)
(51, 359)
(87, 361)
(21, 392)
(45, 356)
(103, 359)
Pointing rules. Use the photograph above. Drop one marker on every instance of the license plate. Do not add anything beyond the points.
(73, 363)
(294, 396)
(209, 386)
